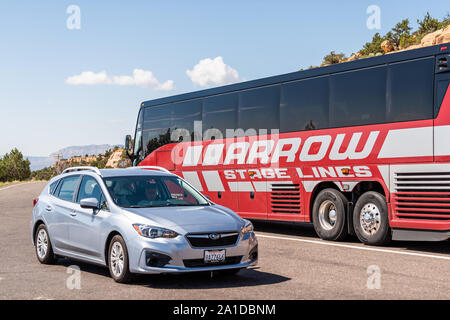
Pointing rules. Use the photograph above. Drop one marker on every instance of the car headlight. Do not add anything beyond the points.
(247, 228)
(154, 232)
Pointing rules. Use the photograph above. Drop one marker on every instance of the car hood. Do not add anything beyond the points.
(190, 219)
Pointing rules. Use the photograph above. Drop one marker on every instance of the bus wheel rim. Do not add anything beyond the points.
(327, 215)
(370, 219)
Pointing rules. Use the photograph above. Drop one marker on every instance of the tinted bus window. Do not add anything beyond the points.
(304, 105)
(157, 127)
(259, 108)
(221, 112)
(185, 113)
(358, 97)
(410, 90)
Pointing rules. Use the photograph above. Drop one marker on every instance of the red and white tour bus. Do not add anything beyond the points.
(361, 147)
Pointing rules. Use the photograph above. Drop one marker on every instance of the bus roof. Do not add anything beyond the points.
(304, 74)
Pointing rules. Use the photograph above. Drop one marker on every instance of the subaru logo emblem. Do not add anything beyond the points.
(214, 236)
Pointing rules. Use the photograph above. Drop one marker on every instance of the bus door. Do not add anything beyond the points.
(252, 193)
(442, 108)
(218, 190)
(244, 178)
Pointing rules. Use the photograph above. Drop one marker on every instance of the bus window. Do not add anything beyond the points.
(220, 112)
(410, 90)
(137, 149)
(184, 115)
(304, 105)
(259, 108)
(358, 97)
(157, 127)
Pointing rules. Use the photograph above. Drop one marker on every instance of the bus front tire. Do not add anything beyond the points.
(371, 219)
(329, 215)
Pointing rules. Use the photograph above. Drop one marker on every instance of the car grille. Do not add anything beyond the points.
(198, 263)
(422, 195)
(203, 240)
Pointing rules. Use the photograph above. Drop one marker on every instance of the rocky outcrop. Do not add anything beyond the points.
(444, 37)
(437, 37)
(387, 46)
(115, 159)
(434, 38)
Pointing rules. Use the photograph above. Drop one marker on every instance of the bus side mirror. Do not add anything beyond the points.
(128, 145)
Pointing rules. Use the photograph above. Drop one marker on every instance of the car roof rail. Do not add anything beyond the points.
(152, 168)
(74, 169)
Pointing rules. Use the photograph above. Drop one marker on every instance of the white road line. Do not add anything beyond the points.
(17, 184)
(356, 247)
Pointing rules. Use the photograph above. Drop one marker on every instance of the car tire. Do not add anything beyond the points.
(118, 260)
(43, 246)
(371, 219)
(330, 215)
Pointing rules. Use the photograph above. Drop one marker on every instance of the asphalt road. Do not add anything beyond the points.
(294, 264)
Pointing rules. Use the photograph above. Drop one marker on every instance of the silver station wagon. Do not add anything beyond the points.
(138, 220)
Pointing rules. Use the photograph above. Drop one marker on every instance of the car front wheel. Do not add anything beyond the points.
(118, 260)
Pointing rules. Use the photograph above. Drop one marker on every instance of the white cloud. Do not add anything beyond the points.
(140, 78)
(212, 71)
(89, 78)
(143, 78)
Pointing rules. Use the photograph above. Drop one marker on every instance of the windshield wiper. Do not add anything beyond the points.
(181, 205)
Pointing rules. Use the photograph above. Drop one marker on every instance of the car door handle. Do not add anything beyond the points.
(48, 208)
(73, 213)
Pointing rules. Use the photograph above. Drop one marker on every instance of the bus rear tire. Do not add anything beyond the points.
(329, 215)
(371, 219)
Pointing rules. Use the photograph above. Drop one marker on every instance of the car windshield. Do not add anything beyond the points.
(152, 191)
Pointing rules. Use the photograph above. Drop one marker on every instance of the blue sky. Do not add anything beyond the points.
(40, 112)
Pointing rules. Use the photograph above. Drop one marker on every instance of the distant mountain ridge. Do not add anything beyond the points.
(37, 163)
(73, 151)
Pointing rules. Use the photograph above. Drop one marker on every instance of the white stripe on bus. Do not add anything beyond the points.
(406, 143)
(213, 181)
(192, 178)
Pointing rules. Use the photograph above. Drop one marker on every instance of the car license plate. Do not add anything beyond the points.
(214, 256)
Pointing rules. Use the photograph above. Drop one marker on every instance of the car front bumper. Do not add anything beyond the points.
(243, 254)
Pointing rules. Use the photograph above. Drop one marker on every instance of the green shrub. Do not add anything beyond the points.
(374, 46)
(333, 58)
(427, 25)
(13, 167)
(44, 174)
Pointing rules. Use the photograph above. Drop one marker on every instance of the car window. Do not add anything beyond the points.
(103, 203)
(53, 186)
(66, 189)
(89, 188)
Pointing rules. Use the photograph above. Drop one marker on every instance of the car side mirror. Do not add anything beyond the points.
(89, 203)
